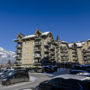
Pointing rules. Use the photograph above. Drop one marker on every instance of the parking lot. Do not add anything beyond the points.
(35, 79)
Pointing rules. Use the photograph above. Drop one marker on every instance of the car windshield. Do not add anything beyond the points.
(11, 73)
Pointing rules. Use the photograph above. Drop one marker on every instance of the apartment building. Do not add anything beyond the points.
(62, 51)
(42, 48)
(32, 49)
(80, 52)
(86, 52)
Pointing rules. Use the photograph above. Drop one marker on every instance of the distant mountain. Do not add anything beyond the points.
(6, 55)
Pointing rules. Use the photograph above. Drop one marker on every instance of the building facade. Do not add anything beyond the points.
(32, 49)
(42, 48)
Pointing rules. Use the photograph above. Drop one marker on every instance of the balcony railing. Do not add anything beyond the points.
(84, 51)
(75, 56)
(46, 45)
(45, 55)
(37, 56)
(37, 49)
(49, 42)
(74, 52)
(75, 59)
(37, 43)
(17, 63)
(46, 50)
(18, 57)
(18, 51)
(52, 53)
(52, 58)
(52, 49)
(38, 38)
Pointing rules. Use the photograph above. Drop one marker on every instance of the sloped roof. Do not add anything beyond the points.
(32, 36)
(29, 36)
(79, 44)
(70, 45)
(45, 33)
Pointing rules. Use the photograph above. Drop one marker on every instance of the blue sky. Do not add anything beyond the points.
(70, 19)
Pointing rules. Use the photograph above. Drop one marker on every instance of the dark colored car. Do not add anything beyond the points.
(39, 69)
(87, 68)
(76, 71)
(2, 72)
(15, 76)
(55, 67)
(50, 68)
(78, 68)
(65, 82)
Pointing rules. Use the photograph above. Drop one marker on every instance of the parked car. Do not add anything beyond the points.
(39, 69)
(77, 69)
(50, 68)
(87, 68)
(15, 76)
(65, 82)
(55, 67)
(3, 72)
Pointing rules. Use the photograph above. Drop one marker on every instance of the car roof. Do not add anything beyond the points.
(75, 77)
